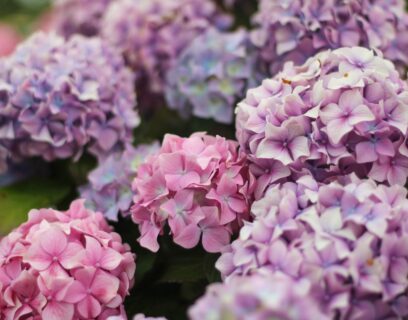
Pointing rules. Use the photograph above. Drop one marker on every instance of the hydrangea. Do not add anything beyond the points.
(110, 185)
(152, 33)
(294, 30)
(56, 97)
(199, 186)
(78, 16)
(211, 75)
(343, 111)
(64, 265)
(258, 297)
(349, 238)
(9, 39)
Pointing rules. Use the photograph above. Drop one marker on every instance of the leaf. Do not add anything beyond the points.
(212, 274)
(18, 199)
(181, 269)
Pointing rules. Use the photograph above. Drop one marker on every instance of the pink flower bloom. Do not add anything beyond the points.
(200, 186)
(64, 265)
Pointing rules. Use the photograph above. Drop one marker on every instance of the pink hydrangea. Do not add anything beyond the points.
(294, 30)
(199, 186)
(349, 238)
(64, 265)
(258, 297)
(343, 111)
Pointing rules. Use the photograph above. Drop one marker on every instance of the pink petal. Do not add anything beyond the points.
(53, 241)
(269, 149)
(58, 311)
(361, 114)
(148, 238)
(188, 237)
(104, 286)
(93, 249)
(111, 259)
(385, 147)
(330, 112)
(71, 256)
(89, 308)
(215, 239)
(76, 292)
(336, 130)
(365, 152)
(299, 147)
(37, 258)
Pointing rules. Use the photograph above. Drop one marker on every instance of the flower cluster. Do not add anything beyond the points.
(211, 75)
(64, 265)
(199, 185)
(348, 237)
(258, 297)
(296, 30)
(110, 185)
(9, 39)
(343, 111)
(152, 33)
(78, 16)
(57, 97)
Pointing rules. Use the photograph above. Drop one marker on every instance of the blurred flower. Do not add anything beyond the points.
(9, 39)
(64, 265)
(349, 238)
(258, 297)
(57, 97)
(200, 186)
(343, 111)
(110, 185)
(211, 75)
(296, 30)
(143, 317)
(83, 17)
(152, 34)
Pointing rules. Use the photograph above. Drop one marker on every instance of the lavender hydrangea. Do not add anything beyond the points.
(348, 237)
(258, 297)
(343, 111)
(211, 75)
(58, 97)
(297, 29)
(110, 185)
(152, 33)
(79, 16)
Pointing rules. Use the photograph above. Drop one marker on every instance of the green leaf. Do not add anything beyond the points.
(184, 269)
(18, 199)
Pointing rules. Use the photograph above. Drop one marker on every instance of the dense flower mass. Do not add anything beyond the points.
(258, 297)
(57, 97)
(200, 186)
(110, 185)
(348, 237)
(64, 265)
(294, 30)
(211, 75)
(342, 111)
(78, 16)
(152, 33)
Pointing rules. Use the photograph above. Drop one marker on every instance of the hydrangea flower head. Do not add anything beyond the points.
(110, 185)
(343, 111)
(295, 30)
(199, 186)
(78, 16)
(152, 33)
(58, 97)
(349, 238)
(64, 265)
(210, 75)
(258, 297)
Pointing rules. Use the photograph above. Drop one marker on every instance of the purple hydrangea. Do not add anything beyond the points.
(58, 97)
(258, 297)
(294, 30)
(78, 16)
(348, 237)
(152, 33)
(211, 75)
(110, 185)
(343, 111)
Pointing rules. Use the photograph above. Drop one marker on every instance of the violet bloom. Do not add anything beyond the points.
(210, 75)
(64, 265)
(349, 238)
(199, 186)
(343, 111)
(258, 297)
(83, 17)
(58, 97)
(296, 30)
(152, 34)
(110, 185)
